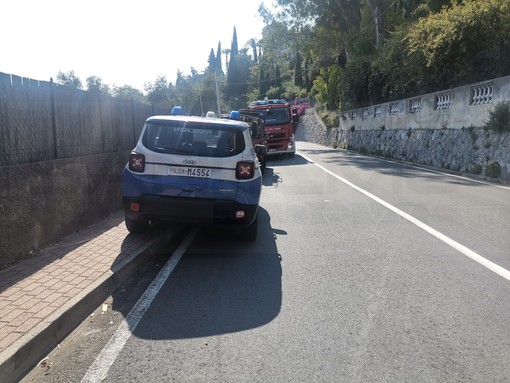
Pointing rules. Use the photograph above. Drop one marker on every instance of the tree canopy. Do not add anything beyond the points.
(345, 53)
(69, 79)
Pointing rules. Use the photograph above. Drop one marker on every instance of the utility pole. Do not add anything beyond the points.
(201, 105)
(217, 94)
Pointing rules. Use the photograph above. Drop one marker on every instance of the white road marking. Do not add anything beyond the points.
(463, 249)
(99, 369)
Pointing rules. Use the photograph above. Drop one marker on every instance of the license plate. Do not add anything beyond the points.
(189, 172)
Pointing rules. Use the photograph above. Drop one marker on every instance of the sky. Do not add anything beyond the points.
(124, 42)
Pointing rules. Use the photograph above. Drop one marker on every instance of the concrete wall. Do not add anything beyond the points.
(457, 108)
(43, 201)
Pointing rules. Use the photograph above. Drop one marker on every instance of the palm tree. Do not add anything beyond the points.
(252, 43)
(260, 45)
(226, 52)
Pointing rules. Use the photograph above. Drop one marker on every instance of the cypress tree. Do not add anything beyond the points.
(213, 65)
(234, 50)
(232, 76)
(263, 85)
(277, 77)
(298, 71)
(268, 82)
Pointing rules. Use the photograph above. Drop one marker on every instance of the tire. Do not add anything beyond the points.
(136, 227)
(250, 232)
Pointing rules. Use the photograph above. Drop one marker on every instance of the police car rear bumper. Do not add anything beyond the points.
(188, 210)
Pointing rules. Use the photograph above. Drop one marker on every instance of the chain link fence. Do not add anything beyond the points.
(41, 121)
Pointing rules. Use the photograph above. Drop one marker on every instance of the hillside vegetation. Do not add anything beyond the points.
(342, 53)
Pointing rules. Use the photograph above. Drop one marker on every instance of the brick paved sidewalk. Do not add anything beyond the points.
(44, 298)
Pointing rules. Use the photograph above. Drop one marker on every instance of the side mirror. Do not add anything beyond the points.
(260, 149)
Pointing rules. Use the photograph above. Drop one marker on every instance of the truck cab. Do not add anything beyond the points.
(280, 122)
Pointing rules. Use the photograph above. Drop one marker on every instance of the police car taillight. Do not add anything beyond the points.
(137, 162)
(245, 170)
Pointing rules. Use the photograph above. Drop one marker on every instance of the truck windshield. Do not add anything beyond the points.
(277, 116)
(196, 140)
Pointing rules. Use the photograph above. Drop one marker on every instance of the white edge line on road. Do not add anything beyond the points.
(463, 249)
(98, 371)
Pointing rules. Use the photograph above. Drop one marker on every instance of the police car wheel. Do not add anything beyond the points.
(136, 226)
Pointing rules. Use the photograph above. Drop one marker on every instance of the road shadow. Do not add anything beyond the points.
(221, 285)
(392, 167)
(270, 179)
(284, 160)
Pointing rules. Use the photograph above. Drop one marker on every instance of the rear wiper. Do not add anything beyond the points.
(174, 150)
(183, 151)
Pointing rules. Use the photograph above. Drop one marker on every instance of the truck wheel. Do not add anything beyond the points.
(249, 233)
(136, 227)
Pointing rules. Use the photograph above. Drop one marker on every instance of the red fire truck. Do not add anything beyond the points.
(280, 124)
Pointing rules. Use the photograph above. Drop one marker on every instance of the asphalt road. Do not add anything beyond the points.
(364, 271)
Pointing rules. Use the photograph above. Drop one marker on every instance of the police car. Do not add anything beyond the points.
(192, 170)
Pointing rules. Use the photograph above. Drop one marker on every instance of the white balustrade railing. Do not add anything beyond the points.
(415, 105)
(443, 101)
(394, 108)
(482, 94)
(365, 114)
(378, 111)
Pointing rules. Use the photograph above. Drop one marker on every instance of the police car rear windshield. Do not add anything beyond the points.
(193, 139)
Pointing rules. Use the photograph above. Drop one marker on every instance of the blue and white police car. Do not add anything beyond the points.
(192, 170)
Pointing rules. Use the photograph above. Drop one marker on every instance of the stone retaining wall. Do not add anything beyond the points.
(470, 150)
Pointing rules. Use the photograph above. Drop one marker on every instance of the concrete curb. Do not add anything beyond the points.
(18, 359)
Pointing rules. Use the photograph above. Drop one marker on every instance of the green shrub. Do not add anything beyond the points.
(330, 119)
(493, 170)
(499, 118)
(477, 169)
